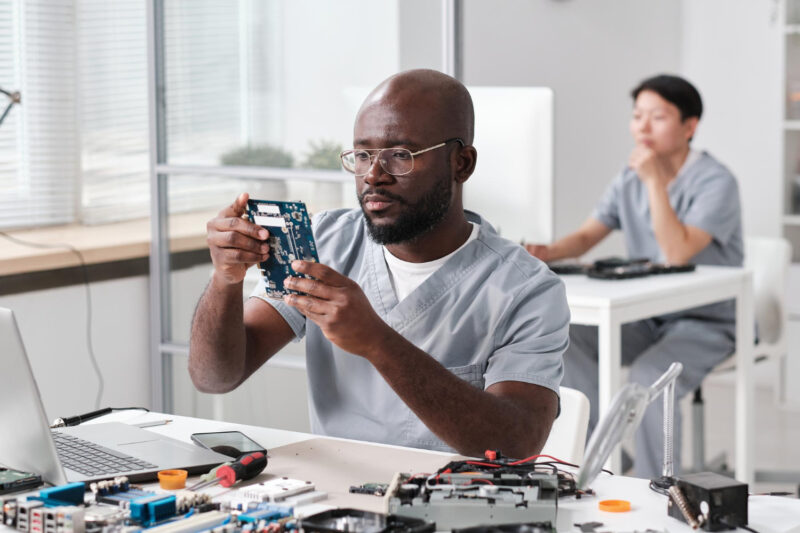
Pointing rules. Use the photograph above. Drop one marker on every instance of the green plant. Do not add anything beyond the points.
(263, 155)
(323, 154)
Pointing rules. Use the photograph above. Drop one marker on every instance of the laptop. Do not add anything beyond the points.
(79, 453)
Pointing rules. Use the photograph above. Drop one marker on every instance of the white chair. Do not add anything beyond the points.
(568, 435)
(769, 259)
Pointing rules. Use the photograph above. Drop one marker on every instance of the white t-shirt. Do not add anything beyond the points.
(406, 277)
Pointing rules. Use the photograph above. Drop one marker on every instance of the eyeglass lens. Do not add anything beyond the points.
(395, 161)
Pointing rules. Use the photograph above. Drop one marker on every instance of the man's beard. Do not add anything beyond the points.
(416, 219)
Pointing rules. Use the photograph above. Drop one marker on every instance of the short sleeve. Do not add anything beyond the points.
(607, 209)
(533, 336)
(714, 207)
(293, 317)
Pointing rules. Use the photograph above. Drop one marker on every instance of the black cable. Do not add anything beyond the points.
(656, 488)
(748, 528)
(85, 270)
(79, 419)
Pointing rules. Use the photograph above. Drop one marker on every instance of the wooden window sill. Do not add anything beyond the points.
(99, 244)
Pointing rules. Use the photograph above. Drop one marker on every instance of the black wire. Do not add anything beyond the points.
(85, 271)
(656, 488)
(748, 528)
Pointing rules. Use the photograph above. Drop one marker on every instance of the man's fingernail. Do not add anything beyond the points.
(263, 234)
(288, 282)
(297, 265)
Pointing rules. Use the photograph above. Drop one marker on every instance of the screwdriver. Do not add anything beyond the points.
(245, 467)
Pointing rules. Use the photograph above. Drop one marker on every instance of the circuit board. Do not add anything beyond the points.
(290, 238)
(460, 500)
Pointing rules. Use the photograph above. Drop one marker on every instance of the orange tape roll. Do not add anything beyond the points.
(614, 506)
(172, 479)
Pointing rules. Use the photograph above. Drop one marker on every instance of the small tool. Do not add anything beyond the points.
(245, 467)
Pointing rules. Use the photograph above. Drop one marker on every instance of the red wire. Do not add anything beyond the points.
(483, 464)
(534, 457)
(476, 480)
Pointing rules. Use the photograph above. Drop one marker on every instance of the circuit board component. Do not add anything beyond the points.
(290, 238)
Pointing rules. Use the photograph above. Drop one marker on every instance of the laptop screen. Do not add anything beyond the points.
(25, 443)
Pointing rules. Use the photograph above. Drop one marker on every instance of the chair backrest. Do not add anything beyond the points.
(568, 435)
(769, 259)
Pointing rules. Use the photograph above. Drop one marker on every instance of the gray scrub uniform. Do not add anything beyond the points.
(491, 313)
(704, 195)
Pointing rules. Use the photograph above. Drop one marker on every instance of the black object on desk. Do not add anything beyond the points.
(14, 480)
(619, 268)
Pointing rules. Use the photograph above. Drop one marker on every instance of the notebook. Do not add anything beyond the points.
(80, 453)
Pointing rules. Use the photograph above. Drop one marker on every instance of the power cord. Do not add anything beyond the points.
(85, 270)
(731, 526)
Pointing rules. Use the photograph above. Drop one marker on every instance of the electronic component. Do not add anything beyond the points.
(13, 480)
(276, 490)
(376, 489)
(290, 238)
(69, 494)
(150, 510)
(457, 500)
(110, 486)
(265, 512)
(8, 512)
(529, 527)
(196, 522)
(355, 521)
(713, 501)
(25, 513)
(123, 499)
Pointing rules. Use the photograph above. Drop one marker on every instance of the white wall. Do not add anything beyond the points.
(591, 54)
(731, 50)
(53, 327)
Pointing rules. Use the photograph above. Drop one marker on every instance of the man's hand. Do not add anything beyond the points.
(651, 169)
(540, 251)
(339, 307)
(235, 243)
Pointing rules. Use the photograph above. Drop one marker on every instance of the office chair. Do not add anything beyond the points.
(769, 260)
(568, 435)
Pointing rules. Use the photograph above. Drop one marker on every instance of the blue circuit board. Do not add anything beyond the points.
(290, 238)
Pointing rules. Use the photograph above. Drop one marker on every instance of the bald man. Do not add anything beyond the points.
(423, 327)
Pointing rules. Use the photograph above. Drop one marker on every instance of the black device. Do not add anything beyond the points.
(531, 527)
(13, 480)
(716, 502)
(619, 268)
(231, 443)
(357, 521)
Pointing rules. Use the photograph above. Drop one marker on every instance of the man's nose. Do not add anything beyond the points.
(376, 172)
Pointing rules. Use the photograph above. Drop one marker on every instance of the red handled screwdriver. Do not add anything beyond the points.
(245, 467)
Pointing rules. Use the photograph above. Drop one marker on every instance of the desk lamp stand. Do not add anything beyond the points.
(667, 384)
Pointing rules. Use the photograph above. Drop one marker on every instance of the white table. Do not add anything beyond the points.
(608, 304)
(335, 464)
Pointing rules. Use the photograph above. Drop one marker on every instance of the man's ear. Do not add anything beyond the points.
(690, 126)
(465, 159)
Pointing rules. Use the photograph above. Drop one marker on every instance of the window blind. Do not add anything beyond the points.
(38, 144)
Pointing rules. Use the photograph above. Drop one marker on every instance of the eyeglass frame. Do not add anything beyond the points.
(378, 151)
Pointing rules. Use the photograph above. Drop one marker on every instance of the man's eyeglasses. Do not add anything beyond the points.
(395, 161)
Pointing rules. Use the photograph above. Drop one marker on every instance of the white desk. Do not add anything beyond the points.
(335, 464)
(608, 304)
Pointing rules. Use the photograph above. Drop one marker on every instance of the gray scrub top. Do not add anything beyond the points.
(704, 195)
(491, 313)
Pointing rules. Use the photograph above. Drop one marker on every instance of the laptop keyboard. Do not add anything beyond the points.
(91, 460)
